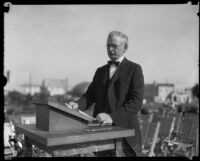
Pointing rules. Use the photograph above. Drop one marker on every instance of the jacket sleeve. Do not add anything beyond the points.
(134, 99)
(88, 98)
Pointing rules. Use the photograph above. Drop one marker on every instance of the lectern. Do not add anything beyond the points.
(53, 116)
(61, 131)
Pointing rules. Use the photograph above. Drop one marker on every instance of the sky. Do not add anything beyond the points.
(69, 41)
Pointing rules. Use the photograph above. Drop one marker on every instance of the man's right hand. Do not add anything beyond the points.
(72, 105)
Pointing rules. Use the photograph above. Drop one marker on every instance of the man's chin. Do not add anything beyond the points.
(113, 58)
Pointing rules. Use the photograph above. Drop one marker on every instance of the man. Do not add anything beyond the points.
(117, 90)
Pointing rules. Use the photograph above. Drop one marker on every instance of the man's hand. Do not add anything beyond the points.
(72, 105)
(104, 119)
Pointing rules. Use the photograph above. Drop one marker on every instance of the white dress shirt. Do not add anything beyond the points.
(113, 67)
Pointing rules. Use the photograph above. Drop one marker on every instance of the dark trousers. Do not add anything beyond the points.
(128, 151)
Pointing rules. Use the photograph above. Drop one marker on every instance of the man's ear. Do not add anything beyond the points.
(125, 47)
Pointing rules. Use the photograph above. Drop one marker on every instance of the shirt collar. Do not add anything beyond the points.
(120, 59)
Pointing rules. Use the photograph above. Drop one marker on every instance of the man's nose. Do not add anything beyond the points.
(111, 48)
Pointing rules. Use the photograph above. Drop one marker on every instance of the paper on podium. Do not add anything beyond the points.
(80, 112)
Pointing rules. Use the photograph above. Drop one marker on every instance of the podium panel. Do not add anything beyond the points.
(52, 116)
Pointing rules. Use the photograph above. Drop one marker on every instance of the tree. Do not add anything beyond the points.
(195, 90)
(10, 111)
(79, 89)
(44, 93)
(15, 97)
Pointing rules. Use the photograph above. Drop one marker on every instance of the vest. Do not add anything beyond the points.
(106, 105)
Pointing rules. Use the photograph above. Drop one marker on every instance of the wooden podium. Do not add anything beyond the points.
(61, 131)
(52, 116)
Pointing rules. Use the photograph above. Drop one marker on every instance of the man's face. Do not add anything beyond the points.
(115, 47)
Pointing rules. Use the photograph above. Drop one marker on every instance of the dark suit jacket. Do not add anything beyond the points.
(125, 96)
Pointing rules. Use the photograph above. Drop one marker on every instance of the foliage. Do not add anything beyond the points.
(18, 102)
(60, 98)
(79, 89)
(44, 93)
(195, 90)
(15, 97)
(190, 108)
(144, 111)
(10, 111)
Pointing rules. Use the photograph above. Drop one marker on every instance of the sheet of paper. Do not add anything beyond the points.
(97, 129)
(80, 112)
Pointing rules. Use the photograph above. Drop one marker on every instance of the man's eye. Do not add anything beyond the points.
(114, 46)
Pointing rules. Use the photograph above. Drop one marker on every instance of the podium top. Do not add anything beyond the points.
(73, 136)
(63, 108)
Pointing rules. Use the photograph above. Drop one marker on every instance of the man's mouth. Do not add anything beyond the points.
(112, 54)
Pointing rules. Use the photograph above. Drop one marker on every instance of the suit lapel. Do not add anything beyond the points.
(105, 74)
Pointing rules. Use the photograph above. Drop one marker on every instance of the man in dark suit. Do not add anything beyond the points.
(117, 90)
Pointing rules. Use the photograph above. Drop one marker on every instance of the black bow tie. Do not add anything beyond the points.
(113, 62)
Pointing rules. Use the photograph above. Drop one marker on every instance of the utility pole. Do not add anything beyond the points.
(30, 84)
(8, 75)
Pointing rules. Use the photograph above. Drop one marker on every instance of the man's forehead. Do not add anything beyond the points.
(114, 39)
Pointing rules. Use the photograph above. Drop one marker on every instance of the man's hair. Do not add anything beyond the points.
(121, 35)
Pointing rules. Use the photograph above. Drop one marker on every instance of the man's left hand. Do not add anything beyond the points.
(104, 119)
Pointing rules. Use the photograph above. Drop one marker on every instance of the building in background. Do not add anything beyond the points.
(28, 119)
(56, 86)
(150, 92)
(164, 89)
(30, 89)
(23, 119)
(180, 96)
(157, 92)
(167, 93)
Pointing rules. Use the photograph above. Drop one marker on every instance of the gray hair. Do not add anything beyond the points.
(121, 35)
